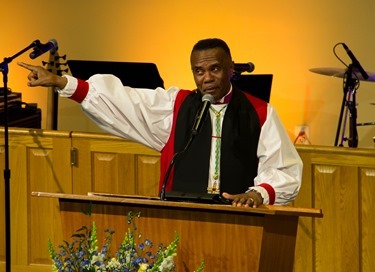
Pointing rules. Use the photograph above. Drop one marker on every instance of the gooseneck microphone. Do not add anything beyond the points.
(355, 61)
(244, 67)
(40, 49)
(207, 100)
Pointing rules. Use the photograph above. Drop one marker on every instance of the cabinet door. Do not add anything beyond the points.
(107, 164)
(39, 161)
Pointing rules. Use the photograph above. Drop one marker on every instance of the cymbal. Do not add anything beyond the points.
(340, 72)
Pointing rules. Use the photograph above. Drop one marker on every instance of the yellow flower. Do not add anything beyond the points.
(143, 267)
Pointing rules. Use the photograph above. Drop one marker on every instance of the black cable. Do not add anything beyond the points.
(356, 87)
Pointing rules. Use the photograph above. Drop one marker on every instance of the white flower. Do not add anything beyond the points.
(97, 258)
(128, 258)
(167, 263)
(113, 264)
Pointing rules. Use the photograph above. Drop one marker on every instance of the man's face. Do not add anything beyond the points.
(212, 70)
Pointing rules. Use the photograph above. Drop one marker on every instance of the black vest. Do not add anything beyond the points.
(240, 135)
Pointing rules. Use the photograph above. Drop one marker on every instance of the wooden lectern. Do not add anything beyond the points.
(226, 237)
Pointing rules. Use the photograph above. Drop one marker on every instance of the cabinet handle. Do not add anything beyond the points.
(73, 156)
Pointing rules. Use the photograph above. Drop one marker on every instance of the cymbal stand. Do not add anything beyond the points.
(349, 104)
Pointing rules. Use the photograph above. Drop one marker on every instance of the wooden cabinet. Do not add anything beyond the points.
(340, 181)
(64, 162)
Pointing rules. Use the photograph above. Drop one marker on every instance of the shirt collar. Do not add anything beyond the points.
(225, 99)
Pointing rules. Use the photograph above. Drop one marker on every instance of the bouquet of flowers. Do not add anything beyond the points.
(83, 253)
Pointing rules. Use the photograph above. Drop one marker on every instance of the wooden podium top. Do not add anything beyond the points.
(154, 201)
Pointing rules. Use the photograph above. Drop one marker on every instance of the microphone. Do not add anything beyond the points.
(207, 100)
(244, 67)
(40, 49)
(355, 61)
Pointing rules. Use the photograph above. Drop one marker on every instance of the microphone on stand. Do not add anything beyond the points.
(355, 61)
(244, 67)
(207, 100)
(40, 49)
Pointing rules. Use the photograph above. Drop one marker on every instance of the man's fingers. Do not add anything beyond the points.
(244, 200)
(228, 196)
(33, 76)
(33, 83)
(27, 66)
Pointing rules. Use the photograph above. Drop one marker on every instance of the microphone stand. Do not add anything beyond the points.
(352, 106)
(171, 164)
(343, 104)
(4, 69)
(349, 100)
(199, 119)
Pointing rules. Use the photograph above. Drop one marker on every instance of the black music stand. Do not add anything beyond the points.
(133, 74)
(258, 85)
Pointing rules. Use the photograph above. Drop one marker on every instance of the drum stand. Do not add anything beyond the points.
(349, 105)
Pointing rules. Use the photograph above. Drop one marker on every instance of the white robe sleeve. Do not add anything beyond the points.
(279, 163)
(140, 115)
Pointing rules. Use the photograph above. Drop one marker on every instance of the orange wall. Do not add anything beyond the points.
(285, 38)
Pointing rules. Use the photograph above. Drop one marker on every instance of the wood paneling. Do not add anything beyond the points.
(367, 218)
(112, 165)
(36, 160)
(338, 197)
(339, 180)
(148, 175)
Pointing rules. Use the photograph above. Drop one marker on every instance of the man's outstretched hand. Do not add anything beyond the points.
(41, 77)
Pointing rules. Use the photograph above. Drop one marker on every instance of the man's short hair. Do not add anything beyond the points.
(210, 44)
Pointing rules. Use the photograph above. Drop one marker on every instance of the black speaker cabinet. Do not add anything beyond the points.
(23, 116)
